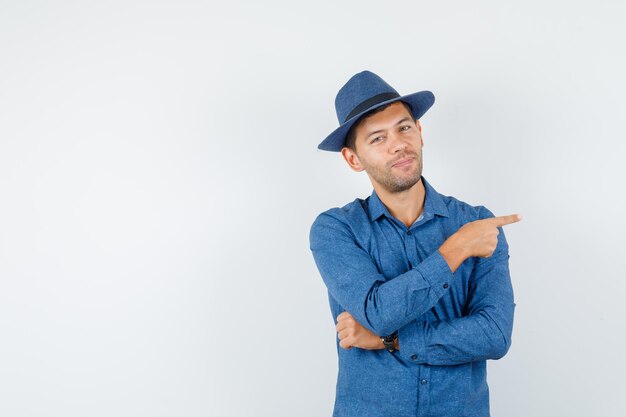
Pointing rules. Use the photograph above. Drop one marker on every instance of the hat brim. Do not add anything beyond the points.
(420, 102)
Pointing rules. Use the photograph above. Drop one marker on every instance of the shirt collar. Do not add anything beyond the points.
(433, 204)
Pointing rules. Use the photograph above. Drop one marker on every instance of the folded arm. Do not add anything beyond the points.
(352, 278)
(483, 333)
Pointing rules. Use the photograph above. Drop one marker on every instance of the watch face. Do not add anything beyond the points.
(391, 337)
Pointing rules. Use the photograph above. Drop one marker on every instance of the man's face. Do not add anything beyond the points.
(389, 148)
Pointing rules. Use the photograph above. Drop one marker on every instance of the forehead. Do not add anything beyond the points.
(384, 119)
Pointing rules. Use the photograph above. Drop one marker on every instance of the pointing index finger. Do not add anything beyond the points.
(504, 220)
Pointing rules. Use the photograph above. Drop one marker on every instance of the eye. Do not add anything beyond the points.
(405, 128)
(376, 139)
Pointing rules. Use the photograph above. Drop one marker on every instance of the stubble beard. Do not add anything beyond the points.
(395, 183)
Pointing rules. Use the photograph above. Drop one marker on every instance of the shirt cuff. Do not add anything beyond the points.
(411, 343)
(436, 272)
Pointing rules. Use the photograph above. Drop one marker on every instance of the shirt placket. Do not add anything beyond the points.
(423, 399)
(410, 246)
(423, 374)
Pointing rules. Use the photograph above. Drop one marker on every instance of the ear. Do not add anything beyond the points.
(352, 159)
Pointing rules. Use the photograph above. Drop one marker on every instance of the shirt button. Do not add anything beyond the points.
(423, 382)
(445, 285)
(414, 357)
(408, 232)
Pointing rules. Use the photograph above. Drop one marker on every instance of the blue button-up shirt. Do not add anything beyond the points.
(392, 277)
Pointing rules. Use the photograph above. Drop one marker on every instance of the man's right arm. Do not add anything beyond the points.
(382, 306)
(354, 281)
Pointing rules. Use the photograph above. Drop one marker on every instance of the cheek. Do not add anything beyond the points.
(373, 162)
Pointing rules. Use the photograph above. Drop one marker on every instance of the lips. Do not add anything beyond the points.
(403, 162)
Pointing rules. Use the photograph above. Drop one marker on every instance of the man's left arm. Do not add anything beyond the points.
(484, 333)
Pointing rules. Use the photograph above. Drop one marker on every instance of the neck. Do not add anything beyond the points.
(406, 205)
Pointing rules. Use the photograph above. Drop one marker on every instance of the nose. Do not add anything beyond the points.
(396, 143)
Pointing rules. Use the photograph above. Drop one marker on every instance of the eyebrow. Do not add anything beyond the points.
(404, 119)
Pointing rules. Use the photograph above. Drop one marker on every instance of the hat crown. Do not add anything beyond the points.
(358, 89)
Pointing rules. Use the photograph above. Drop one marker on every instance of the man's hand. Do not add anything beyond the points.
(477, 238)
(352, 334)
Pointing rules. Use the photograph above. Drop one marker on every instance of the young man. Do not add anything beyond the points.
(418, 282)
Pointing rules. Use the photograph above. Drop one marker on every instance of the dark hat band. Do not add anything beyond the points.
(366, 104)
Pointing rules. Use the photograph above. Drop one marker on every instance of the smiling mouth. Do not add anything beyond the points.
(403, 162)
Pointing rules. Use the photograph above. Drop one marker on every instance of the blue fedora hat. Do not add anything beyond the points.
(363, 92)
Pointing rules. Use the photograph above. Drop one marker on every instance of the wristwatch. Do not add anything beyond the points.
(389, 341)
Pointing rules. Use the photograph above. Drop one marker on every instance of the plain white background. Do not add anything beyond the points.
(159, 175)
